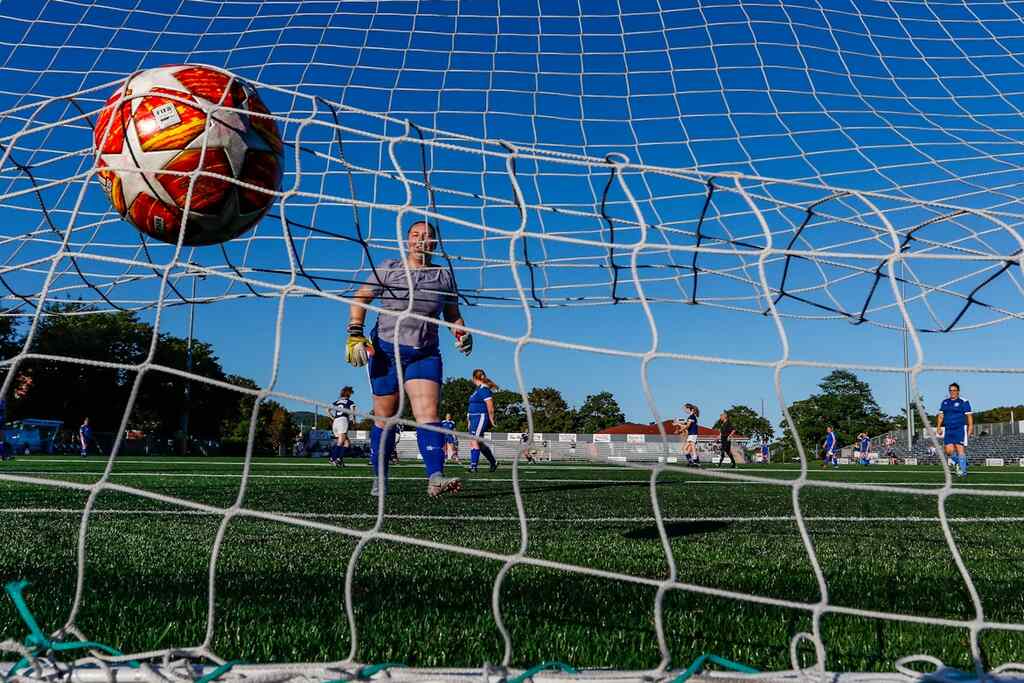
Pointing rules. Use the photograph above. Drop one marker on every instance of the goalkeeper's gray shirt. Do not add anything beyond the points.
(432, 288)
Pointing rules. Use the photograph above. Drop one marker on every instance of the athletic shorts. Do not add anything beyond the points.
(691, 438)
(478, 424)
(955, 435)
(416, 364)
(339, 426)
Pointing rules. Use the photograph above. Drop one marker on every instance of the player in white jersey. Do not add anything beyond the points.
(342, 411)
(692, 430)
(890, 448)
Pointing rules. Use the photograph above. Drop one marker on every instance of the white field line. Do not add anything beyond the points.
(499, 480)
(502, 518)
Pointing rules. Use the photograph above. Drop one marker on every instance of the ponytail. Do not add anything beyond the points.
(481, 376)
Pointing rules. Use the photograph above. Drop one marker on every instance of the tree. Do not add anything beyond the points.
(509, 414)
(69, 389)
(10, 337)
(999, 414)
(748, 423)
(845, 402)
(550, 411)
(455, 394)
(599, 411)
(307, 419)
(274, 426)
(10, 344)
(281, 430)
(162, 397)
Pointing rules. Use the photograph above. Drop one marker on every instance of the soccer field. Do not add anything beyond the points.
(280, 588)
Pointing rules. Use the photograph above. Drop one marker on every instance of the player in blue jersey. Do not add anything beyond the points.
(481, 418)
(342, 411)
(412, 294)
(830, 448)
(955, 415)
(451, 442)
(85, 437)
(864, 446)
(765, 452)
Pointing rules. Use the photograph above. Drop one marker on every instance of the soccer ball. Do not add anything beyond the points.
(156, 129)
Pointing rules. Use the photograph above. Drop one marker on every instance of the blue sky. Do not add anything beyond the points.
(919, 102)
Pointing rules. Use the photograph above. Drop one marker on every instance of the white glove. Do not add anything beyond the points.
(464, 341)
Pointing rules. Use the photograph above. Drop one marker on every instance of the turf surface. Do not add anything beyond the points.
(280, 588)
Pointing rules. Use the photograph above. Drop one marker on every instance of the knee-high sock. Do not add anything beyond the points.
(377, 448)
(474, 457)
(334, 451)
(431, 445)
(486, 450)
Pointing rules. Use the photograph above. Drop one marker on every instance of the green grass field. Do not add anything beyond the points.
(280, 588)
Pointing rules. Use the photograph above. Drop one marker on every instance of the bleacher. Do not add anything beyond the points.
(984, 445)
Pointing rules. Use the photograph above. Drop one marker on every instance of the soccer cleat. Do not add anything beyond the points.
(494, 466)
(471, 470)
(439, 485)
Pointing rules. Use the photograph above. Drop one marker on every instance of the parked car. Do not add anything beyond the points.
(31, 435)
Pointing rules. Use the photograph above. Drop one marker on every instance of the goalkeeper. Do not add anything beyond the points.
(406, 333)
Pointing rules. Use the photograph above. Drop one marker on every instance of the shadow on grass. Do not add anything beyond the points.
(676, 530)
(528, 488)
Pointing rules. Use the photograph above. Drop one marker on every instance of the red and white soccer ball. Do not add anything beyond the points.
(170, 119)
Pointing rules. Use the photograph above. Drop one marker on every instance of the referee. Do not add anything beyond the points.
(726, 431)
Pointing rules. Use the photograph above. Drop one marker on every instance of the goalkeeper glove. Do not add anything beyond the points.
(464, 341)
(358, 348)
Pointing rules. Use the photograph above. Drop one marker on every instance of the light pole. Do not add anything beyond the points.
(188, 364)
(906, 366)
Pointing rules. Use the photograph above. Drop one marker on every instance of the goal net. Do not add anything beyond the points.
(851, 167)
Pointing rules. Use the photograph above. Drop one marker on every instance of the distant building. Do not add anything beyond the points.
(703, 433)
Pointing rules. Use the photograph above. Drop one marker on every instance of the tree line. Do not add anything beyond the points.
(78, 387)
(846, 402)
(72, 389)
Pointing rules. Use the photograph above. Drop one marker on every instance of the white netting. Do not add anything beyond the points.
(813, 160)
